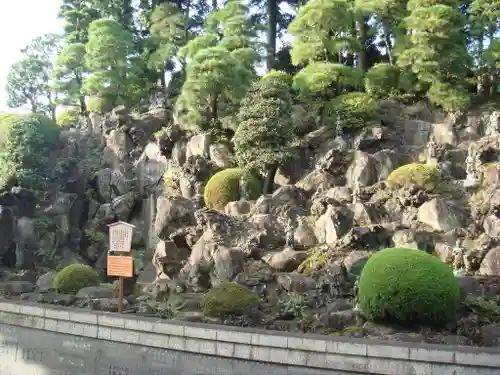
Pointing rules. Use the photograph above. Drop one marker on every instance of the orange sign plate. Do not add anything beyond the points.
(120, 266)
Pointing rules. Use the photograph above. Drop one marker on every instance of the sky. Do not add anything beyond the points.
(20, 22)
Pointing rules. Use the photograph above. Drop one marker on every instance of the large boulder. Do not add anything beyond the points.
(173, 213)
(441, 215)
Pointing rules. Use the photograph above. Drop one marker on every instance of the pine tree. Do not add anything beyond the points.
(265, 135)
(115, 69)
(437, 52)
(219, 68)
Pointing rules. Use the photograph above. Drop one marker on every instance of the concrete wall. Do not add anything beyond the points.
(38, 340)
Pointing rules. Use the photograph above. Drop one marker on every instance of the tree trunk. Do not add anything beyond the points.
(213, 109)
(214, 5)
(269, 179)
(272, 16)
(387, 42)
(361, 31)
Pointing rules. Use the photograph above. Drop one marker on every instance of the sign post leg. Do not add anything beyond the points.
(120, 296)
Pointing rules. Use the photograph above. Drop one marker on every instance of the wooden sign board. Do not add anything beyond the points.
(120, 237)
(122, 266)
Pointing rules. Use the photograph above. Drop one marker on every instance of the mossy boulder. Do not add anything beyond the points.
(228, 298)
(409, 286)
(317, 259)
(422, 175)
(75, 277)
(224, 187)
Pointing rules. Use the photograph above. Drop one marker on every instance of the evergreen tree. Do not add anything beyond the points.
(69, 75)
(437, 52)
(265, 135)
(219, 68)
(115, 69)
(29, 80)
(323, 38)
(168, 34)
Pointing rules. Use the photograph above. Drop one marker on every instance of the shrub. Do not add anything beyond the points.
(68, 118)
(98, 105)
(25, 146)
(224, 187)
(408, 286)
(355, 109)
(381, 79)
(450, 97)
(228, 298)
(279, 75)
(422, 175)
(75, 277)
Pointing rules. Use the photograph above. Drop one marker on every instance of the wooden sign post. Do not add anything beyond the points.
(120, 262)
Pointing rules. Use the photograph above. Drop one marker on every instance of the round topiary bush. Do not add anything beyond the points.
(355, 109)
(422, 175)
(68, 118)
(228, 298)
(224, 187)
(75, 277)
(408, 286)
(26, 142)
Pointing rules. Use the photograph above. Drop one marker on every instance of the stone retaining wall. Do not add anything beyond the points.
(285, 353)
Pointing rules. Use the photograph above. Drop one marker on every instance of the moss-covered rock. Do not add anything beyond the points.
(224, 187)
(75, 277)
(408, 286)
(228, 299)
(422, 175)
(316, 260)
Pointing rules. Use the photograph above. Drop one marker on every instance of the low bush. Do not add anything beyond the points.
(75, 277)
(408, 286)
(355, 109)
(224, 187)
(227, 299)
(422, 175)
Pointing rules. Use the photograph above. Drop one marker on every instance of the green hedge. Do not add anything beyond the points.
(408, 286)
(26, 143)
(224, 187)
(228, 298)
(75, 277)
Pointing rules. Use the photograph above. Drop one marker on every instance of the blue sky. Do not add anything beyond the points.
(21, 21)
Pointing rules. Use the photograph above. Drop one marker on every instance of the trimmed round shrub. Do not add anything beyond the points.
(227, 299)
(26, 142)
(355, 109)
(224, 187)
(68, 118)
(422, 175)
(279, 75)
(75, 277)
(381, 80)
(408, 286)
